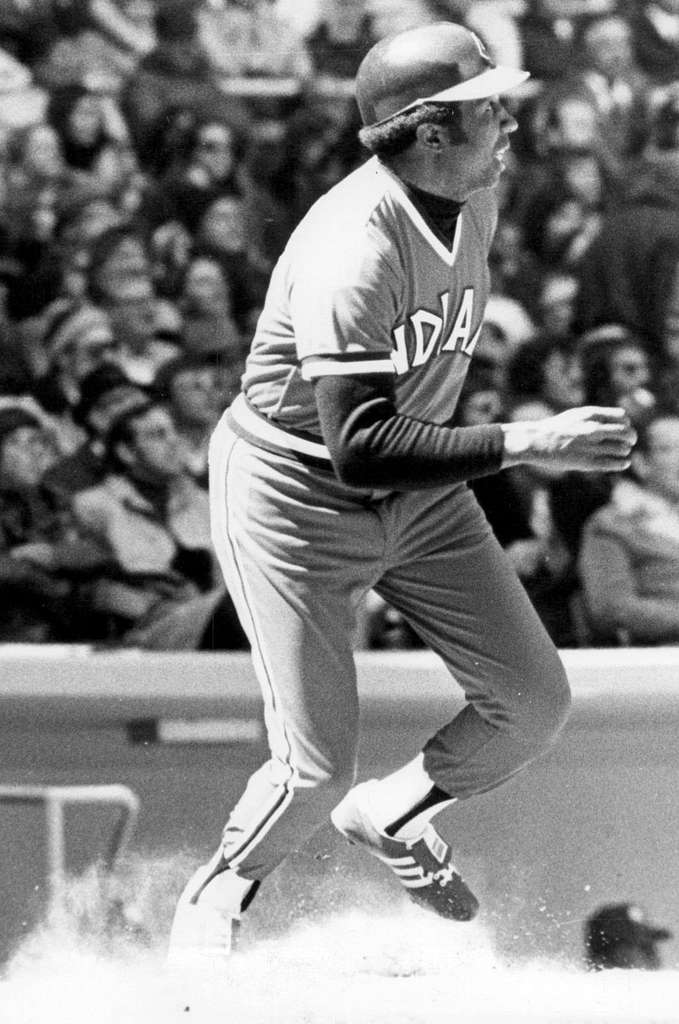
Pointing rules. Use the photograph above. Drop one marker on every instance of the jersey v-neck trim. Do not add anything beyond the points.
(397, 189)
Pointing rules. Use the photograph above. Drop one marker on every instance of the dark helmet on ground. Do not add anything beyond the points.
(616, 925)
(437, 63)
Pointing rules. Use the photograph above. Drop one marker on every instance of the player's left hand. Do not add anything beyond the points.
(588, 438)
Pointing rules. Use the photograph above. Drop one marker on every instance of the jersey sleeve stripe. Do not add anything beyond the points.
(315, 367)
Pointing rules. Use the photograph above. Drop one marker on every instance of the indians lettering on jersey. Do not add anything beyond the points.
(365, 286)
(427, 333)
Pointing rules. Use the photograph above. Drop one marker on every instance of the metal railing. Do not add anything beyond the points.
(54, 800)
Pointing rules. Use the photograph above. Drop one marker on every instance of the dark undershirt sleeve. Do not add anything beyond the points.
(373, 445)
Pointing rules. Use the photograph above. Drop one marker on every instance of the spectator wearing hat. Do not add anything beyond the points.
(152, 521)
(46, 562)
(104, 393)
(78, 336)
(620, 935)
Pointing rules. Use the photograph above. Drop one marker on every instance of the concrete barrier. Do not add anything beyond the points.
(596, 819)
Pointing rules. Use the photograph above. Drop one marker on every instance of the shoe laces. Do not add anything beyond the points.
(445, 875)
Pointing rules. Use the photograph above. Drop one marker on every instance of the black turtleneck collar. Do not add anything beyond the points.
(439, 212)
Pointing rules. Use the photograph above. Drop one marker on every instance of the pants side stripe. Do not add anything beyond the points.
(283, 794)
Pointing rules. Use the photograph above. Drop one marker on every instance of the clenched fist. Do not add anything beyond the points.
(589, 438)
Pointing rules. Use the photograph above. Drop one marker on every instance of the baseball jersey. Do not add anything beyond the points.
(365, 286)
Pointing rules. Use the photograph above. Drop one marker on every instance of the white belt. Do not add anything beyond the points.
(257, 427)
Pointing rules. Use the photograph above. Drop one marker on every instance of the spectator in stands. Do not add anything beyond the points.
(84, 213)
(555, 303)
(102, 47)
(92, 134)
(620, 935)
(629, 560)
(320, 144)
(666, 269)
(250, 38)
(78, 338)
(35, 159)
(618, 278)
(131, 306)
(655, 31)
(538, 515)
(190, 387)
(105, 392)
(515, 272)
(32, 216)
(222, 234)
(152, 521)
(120, 283)
(549, 32)
(27, 30)
(494, 22)
(45, 561)
(547, 369)
(175, 74)
(613, 81)
(341, 38)
(170, 248)
(481, 399)
(205, 168)
(559, 227)
(617, 370)
(118, 253)
(206, 308)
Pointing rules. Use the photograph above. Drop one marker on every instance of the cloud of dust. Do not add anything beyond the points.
(346, 957)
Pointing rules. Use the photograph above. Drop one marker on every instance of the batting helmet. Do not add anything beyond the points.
(440, 63)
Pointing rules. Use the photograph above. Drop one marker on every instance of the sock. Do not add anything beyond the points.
(404, 802)
(412, 823)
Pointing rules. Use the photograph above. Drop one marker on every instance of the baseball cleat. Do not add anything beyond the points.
(423, 866)
(207, 918)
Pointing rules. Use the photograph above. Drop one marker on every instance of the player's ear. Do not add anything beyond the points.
(430, 135)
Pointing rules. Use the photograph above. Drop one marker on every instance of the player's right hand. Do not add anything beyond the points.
(589, 438)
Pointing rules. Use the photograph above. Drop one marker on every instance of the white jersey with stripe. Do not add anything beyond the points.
(365, 286)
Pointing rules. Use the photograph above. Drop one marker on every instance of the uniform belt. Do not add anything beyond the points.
(259, 430)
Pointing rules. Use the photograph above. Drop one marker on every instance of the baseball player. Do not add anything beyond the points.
(336, 471)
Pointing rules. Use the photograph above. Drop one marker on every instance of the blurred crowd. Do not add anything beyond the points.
(155, 156)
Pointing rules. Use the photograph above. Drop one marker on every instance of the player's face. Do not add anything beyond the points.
(479, 161)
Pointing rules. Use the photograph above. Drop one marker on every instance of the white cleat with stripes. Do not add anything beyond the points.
(423, 866)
